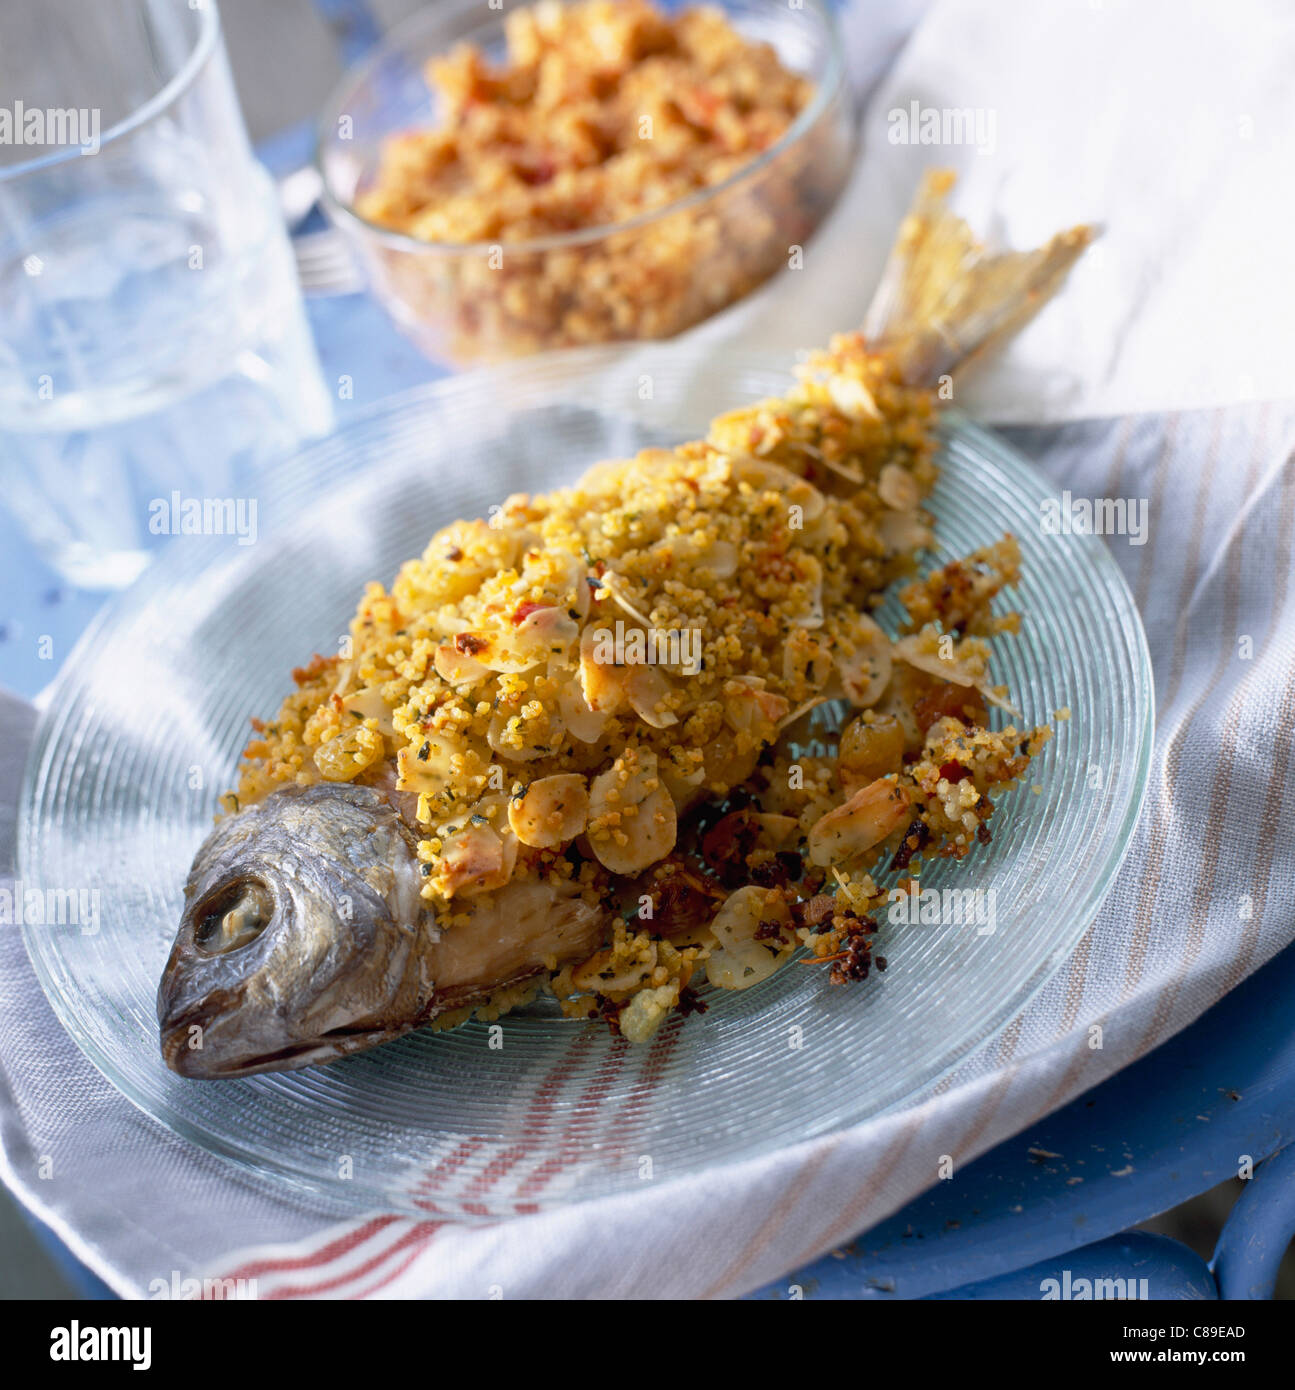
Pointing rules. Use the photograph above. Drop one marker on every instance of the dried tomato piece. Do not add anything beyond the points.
(524, 611)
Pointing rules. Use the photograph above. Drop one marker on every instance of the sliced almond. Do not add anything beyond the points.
(898, 489)
(871, 815)
(862, 657)
(476, 859)
(370, 704)
(632, 819)
(551, 812)
(456, 667)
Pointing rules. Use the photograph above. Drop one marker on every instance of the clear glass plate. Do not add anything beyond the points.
(149, 715)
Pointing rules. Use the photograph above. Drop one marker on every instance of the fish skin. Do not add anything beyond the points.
(348, 956)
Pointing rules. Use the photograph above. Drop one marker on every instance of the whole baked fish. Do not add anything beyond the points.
(559, 753)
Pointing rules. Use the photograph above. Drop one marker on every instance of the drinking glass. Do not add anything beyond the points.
(154, 350)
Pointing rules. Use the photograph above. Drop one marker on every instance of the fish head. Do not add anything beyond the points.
(303, 936)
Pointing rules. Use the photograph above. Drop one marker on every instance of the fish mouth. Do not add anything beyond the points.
(179, 1026)
(225, 1048)
(207, 1064)
(200, 1065)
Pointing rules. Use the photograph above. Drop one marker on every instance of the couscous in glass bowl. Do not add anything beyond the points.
(484, 290)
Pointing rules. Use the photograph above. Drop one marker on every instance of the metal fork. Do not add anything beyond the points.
(325, 264)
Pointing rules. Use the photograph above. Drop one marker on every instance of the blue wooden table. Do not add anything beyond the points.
(1166, 1129)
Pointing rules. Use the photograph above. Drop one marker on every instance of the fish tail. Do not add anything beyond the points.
(943, 298)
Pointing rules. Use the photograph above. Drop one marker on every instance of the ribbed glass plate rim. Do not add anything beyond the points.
(529, 382)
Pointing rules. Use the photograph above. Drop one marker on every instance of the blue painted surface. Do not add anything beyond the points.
(1259, 1230)
(354, 27)
(1134, 1266)
(1165, 1129)
(86, 1285)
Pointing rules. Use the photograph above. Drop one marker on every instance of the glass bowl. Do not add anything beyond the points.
(648, 277)
(147, 719)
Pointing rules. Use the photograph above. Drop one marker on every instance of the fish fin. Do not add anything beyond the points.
(943, 298)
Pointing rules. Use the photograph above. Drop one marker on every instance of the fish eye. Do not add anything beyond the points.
(234, 916)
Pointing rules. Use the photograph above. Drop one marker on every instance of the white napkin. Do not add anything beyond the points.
(1202, 900)
(1169, 122)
